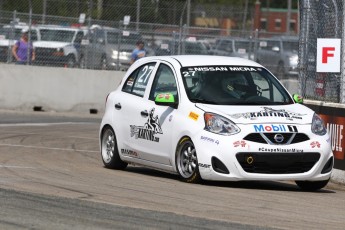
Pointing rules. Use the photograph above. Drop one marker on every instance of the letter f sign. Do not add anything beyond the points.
(328, 55)
(326, 52)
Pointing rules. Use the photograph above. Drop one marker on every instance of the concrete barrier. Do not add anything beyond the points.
(55, 89)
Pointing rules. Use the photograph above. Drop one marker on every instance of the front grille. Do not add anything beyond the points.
(268, 138)
(45, 51)
(277, 163)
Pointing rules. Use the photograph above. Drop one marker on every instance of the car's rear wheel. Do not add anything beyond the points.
(109, 150)
(187, 161)
(312, 185)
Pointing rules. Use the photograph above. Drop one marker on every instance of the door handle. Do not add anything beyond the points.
(144, 113)
(118, 106)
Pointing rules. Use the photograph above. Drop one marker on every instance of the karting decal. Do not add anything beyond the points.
(281, 150)
(315, 144)
(268, 112)
(150, 129)
(193, 116)
(276, 128)
(208, 139)
(128, 152)
(240, 143)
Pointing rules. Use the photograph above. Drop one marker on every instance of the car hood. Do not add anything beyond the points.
(288, 114)
(50, 44)
(123, 47)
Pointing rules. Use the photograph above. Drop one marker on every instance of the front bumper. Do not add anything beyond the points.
(248, 160)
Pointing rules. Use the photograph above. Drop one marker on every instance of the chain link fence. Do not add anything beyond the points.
(320, 19)
(101, 34)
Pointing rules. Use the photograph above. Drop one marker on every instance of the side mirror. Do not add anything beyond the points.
(166, 99)
(298, 98)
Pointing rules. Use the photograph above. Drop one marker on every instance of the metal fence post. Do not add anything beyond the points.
(342, 64)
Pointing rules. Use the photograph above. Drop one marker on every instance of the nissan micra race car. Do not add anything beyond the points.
(213, 118)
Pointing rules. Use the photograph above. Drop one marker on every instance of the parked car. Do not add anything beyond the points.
(171, 47)
(10, 34)
(59, 45)
(234, 47)
(280, 54)
(100, 48)
(213, 118)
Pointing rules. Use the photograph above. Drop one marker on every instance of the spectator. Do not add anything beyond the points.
(20, 49)
(138, 52)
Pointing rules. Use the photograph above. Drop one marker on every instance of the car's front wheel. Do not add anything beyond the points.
(109, 150)
(187, 161)
(312, 185)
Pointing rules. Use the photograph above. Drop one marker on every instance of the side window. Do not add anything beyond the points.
(79, 37)
(136, 82)
(164, 82)
(33, 35)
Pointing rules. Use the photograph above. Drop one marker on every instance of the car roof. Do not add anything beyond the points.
(281, 38)
(206, 60)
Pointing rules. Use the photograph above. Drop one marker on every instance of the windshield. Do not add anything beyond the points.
(233, 85)
(127, 38)
(291, 46)
(243, 46)
(15, 34)
(57, 35)
(11, 34)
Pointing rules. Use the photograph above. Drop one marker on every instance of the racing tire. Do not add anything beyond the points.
(312, 185)
(187, 161)
(109, 150)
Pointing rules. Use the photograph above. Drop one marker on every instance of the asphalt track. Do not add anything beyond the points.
(52, 177)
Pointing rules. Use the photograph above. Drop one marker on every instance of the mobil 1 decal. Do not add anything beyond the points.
(149, 130)
(275, 128)
(269, 112)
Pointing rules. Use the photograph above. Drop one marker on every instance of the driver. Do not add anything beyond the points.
(229, 83)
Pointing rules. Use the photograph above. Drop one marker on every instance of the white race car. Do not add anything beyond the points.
(213, 118)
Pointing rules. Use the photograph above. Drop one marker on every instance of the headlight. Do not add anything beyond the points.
(317, 126)
(220, 125)
(293, 60)
(115, 52)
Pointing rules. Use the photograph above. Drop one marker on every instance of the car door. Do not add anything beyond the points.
(157, 146)
(132, 111)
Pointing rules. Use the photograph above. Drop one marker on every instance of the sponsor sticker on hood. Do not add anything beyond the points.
(293, 114)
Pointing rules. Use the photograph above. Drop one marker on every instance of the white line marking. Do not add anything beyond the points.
(14, 166)
(46, 124)
(26, 133)
(49, 148)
